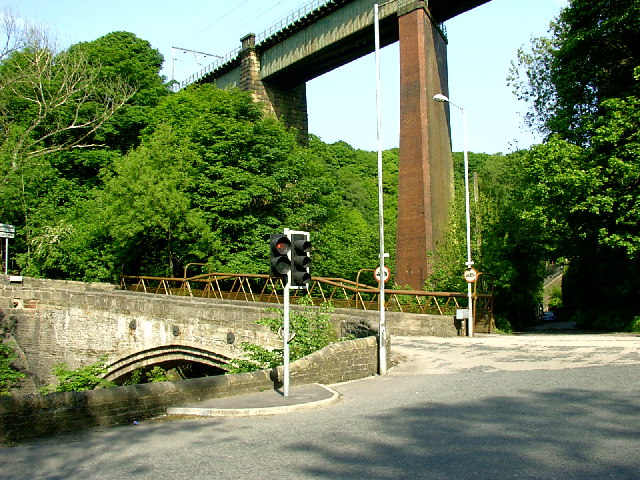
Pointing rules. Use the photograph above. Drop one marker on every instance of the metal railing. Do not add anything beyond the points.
(340, 292)
(290, 19)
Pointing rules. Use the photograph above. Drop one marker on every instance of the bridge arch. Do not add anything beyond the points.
(168, 355)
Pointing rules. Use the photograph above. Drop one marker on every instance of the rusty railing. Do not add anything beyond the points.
(340, 292)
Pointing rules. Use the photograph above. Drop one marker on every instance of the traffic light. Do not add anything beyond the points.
(300, 260)
(280, 246)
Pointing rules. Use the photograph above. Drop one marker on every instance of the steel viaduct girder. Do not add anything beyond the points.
(358, 42)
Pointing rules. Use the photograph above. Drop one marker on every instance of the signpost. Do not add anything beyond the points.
(7, 231)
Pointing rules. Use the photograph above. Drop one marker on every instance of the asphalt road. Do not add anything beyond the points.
(535, 406)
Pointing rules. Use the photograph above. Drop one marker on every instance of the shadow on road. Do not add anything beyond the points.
(583, 436)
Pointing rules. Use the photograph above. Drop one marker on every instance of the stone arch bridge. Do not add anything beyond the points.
(54, 321)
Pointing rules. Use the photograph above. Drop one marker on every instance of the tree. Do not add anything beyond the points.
(146, 203)
(49, 102)
(124, 56)
(591, 56)
(584, 85)
(53, 101)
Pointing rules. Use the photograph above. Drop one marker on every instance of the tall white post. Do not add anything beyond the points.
(468, 218)
(443, 98)
(382, 324)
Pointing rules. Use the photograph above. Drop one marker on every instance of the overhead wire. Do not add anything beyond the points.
(219, 19)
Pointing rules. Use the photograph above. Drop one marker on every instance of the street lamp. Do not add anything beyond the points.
(444, 99)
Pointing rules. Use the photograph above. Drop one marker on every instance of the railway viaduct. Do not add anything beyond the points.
(323, 35)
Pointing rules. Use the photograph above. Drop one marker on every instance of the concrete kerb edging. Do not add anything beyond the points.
(258, 411)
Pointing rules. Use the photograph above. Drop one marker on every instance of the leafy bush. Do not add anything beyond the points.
(79, 379)
(9, 376)
(503, 325)
(140, 375)
(555, 298)
(312, 328)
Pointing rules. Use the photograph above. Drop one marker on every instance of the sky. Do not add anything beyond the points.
(341, 104)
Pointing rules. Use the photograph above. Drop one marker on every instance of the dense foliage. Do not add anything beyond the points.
(9, 375)
(88, 377)
(583, 182)
(125, 177)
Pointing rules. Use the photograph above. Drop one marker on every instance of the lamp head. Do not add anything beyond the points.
(438, 97)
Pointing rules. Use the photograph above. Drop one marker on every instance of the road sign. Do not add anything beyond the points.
(7, 231)
(387, 274)
(470, 275)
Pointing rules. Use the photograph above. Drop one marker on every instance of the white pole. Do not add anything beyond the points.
(6, 255)
(285, 338)
(286, 326)
(173, 63)
(468, 218)
(382, 326)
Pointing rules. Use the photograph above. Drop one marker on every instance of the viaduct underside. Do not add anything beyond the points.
(275, 67)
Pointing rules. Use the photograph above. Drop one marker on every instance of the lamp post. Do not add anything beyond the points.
(443, 98)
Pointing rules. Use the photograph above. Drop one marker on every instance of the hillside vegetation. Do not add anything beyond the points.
(104, 171)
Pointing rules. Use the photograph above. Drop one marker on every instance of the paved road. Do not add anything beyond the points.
(493, 407)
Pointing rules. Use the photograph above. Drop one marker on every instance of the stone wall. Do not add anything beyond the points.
(74, 323)
(28, 416)
(77, 323)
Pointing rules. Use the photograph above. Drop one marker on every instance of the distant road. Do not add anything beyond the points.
(494, 407)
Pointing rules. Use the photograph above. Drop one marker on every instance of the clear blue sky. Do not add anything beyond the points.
(482, 43)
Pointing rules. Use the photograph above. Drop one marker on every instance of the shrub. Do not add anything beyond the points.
(84, 378)
(9, 376)
(312, 328)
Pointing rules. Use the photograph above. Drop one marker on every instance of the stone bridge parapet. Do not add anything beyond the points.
(77, 323)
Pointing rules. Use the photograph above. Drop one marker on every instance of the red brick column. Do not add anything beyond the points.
(425, 169)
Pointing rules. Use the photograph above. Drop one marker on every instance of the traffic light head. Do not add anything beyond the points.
(300, 260)
(280, 246)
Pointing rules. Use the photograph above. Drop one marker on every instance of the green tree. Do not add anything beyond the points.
(133, 60)
(583, 83)
(590, 57)
(145, 203)
(50, 102)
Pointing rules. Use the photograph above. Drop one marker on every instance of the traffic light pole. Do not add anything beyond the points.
(285, 339)
(382, 328)
(289, 261)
